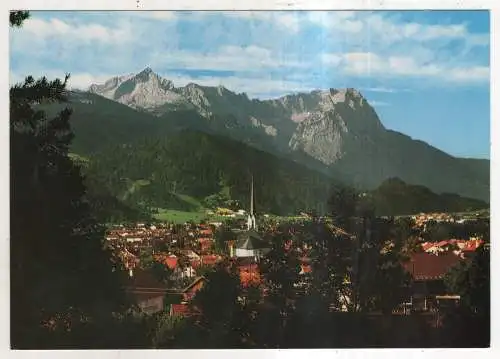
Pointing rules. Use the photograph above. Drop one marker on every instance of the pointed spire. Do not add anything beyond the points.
(251, 224)
(251, 197)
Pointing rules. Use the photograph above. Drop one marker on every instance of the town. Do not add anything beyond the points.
(279, 181)
(185, 252)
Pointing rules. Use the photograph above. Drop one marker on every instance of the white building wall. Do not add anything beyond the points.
(240, 252)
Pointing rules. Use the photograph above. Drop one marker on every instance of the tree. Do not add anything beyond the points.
(161, 272)
(370, 261)
(219, 303)
(469, 326)
(61, 277)
(18, 17)
(221, 236)
(471, 280)
(280, 269)
(343, 203)
(146, 259)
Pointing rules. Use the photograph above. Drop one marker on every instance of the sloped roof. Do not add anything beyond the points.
(425, 266)
(144, 279)
(250, 240)
(196, 281)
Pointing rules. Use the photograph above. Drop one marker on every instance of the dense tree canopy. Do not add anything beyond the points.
(61, 276)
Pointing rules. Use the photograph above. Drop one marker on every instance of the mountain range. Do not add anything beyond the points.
(334, 131)
(141, 153)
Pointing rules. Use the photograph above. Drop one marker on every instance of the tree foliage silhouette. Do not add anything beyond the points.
(61, 276)
(17, 18)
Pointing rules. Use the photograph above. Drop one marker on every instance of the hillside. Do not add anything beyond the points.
(140, 161)
(199, 165)
(395, 197)
(334, 131)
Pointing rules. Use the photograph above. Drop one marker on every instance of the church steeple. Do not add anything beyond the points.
(251, 197)
(251, 216)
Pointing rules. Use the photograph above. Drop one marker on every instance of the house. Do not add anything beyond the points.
(170, 260)
(250, 244)
(305, 268)
(206, 244)
(147, 291)
(471, 246)
(206, 232)
(209, 260)
(190, 254)
(190, 291)
(181, 273)
(249, 274)
(183, 310)
(427, 272)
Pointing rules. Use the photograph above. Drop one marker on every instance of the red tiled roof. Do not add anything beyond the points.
(249, 274)
(209, 259)
(181, 310)
(171, 262)
(425, 266)
(206, 246)
(306, 268)
(472, 246)
(427, 245)
(195, 263)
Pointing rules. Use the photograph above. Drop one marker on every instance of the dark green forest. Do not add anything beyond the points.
(395, 197)
(134, 161)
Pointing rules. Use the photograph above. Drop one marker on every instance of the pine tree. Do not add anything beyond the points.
(61, 276)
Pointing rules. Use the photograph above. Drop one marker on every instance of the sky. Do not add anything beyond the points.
(426, 73)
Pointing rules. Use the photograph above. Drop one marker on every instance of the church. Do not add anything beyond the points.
(249, 243)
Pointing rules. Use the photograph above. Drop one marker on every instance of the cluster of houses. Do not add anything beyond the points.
(422, 218)
(459, 247)
(187, 252)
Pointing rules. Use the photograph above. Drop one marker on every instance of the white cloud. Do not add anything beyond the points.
(379, 103)
(252, 86)
(384, 89)
(368, 64)
(355, 44)
(389, 29)
(344, 21)
(287, 20)
(227, 58)
(331, 59)
(471, 74)
(54, 27)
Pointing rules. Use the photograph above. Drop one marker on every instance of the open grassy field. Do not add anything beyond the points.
(175, 216)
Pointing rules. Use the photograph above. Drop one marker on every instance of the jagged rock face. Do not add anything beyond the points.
(268, 129)
(195, 94)
(333, 130)
(321, 135)
(146, 90)
(342, 120)
(319, 123)
(109, 87)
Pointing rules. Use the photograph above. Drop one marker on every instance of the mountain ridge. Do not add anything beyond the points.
(336, 127)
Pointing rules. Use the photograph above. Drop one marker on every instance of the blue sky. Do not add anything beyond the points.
(425, 72)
